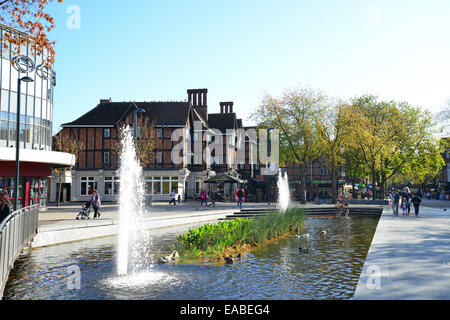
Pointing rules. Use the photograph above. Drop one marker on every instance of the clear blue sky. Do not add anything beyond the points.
(149, 50)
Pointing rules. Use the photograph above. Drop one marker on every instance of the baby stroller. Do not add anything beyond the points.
(84, 212)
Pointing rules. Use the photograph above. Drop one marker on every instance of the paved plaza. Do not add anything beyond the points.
(409, 258)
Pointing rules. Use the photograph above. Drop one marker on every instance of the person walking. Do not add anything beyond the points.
(408, 197)
(213, 199)
(416, 203)
(95, 201)
(395, 201)
(174, 198)
(204, 197)
(240, 195)
(5, 206)
(404, 206)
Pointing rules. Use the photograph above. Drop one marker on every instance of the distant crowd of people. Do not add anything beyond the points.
(405, 199)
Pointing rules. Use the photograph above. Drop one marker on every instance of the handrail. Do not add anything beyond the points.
(16, 231)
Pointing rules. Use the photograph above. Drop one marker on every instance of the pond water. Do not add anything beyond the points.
(330, 269)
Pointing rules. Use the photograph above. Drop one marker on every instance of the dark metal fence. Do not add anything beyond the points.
(16, 231)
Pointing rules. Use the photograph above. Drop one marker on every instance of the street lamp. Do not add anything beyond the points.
(135, 119)
(16, 186)
(268, 163)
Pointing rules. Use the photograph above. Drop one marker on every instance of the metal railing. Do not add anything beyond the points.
(16, 231)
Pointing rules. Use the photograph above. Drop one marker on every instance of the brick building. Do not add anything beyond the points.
(97, 164)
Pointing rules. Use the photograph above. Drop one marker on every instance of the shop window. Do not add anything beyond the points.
(88, 184)
(112, 186)
(161, 185)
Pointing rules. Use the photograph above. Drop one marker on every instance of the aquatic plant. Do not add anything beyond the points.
(213, 240)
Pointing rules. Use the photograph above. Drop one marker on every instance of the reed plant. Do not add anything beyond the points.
(214, 240)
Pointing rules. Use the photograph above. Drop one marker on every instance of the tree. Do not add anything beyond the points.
(66, 142)
(31, 19)
(147, 141)
(426, 163)
(389, 135)
(332, 127)
(294, 115)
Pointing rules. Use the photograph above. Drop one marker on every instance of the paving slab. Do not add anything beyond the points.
(409, 258)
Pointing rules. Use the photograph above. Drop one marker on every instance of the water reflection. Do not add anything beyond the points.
(329, 270)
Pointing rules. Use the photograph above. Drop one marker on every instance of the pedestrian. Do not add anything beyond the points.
(96, 203)
(404, 206)
(395, 201)
(174, 197)
(408, 199)
(416, 202)
(240, 195)
(340, 205)
(204, 197)
(213, 199)
(179, 199)
(5, 206)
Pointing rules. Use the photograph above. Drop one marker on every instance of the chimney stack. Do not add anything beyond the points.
(102, 101)
(198, 99)
(226, 107)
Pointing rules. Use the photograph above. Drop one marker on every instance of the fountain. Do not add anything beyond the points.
(284, 197)
(132, 243)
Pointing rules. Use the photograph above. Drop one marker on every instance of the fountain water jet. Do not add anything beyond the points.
(131, 246)
(284, 197)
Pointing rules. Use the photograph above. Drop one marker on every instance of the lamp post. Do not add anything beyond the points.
(135, 119)
(268, 164)
(16, 182)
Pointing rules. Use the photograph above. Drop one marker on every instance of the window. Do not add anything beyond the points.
(112, 186)
(159, 157)
(161, 185)
(159, 133)
(324, 171)
(106, 157)
(107, 133)
(88, 184)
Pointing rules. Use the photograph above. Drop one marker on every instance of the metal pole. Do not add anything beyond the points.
(16, 185)
(134, 124)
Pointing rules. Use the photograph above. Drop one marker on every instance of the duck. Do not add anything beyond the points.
(164, 259)
(303, 250)
(306, 235)
(229, 259)
(324, 232)
(239, 256)
(174, 255)
(297, 230)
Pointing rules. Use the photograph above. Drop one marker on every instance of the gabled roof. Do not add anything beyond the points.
(109, 114)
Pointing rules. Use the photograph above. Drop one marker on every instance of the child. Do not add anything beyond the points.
(404, 206)
(83, 212)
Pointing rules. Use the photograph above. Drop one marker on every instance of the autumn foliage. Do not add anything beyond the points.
(30, 19)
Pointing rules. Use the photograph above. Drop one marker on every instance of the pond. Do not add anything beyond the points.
(330, 269)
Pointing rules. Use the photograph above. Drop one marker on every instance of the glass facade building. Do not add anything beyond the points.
(36, 114)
